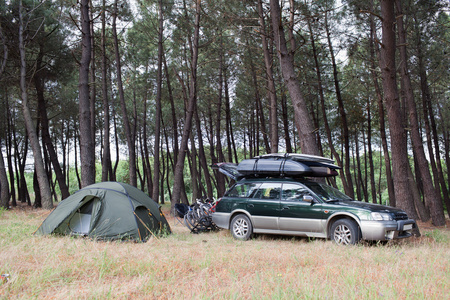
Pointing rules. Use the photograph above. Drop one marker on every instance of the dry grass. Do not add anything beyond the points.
(214, 266)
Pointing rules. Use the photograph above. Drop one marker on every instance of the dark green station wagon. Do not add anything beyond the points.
(296, 205)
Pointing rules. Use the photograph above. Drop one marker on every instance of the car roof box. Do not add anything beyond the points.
(286, 164)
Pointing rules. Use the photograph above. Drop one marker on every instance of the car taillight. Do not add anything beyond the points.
(213, 208)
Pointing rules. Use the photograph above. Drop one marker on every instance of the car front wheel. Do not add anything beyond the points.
(241, 227)
(345, 232)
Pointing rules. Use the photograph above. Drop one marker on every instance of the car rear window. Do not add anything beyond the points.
(243, 190)
(268, 190)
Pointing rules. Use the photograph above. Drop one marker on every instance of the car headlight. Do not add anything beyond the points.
(377, 216)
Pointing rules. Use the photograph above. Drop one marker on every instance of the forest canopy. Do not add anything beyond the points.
(152, 93)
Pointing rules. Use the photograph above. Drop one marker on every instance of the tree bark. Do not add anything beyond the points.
(92, 77)
(126, 122)
(178, 177)
(432, 198)
(4, 185)
(46, 138)
(259, 110)
(271, 91)
(381, 114)
(106, 157)
(156, 164)
(345, 132)
(146, 153)
(34, 141)
(87, 147)
(334, 152)
(302, 116)
(370, 154)
(9, 151)
(400, 162)
(202, 157)
(285, 118)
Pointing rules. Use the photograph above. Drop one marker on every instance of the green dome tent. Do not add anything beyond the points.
(107, 211)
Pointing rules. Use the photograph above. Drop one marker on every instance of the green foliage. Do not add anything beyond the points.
(438, 236)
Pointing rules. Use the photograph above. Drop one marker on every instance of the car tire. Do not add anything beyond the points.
(345, 232)
(241, 227)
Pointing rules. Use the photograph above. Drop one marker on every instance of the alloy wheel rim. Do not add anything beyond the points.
(240, 228)
(342, 235)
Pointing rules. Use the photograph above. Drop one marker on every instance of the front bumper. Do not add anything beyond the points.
(387, 230)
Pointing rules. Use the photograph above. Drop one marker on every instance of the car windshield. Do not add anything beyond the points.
(326, 192)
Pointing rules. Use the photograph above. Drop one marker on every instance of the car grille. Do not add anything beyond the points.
(400, 216)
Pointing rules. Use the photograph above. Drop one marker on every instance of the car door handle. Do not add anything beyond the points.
(285, 207)
(250, 205)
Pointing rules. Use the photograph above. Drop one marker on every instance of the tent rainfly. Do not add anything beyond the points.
(107, 211)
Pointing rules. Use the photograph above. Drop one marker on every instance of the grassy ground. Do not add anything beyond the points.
(214, 266)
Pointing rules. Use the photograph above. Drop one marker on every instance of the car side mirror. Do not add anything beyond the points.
(308, 198)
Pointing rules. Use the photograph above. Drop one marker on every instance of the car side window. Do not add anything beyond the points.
(244, 190)
(268, 191)
(293, 192)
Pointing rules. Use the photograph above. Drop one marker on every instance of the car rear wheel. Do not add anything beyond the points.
(345, 232)
(241, 227)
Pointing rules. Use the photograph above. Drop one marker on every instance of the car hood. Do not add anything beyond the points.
(370, 206)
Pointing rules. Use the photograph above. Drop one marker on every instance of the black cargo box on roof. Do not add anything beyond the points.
(280, 165)
(292, 165)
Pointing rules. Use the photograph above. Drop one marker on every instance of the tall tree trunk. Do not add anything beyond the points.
(432, 198)
(9, 151)
(231, 143)
(302, 117)
(156, 164)
(75, 139)
(106, 157)
(4, 185)
(202, 156)
(44, 124)
(437, 147)
(178, 177)
(37, 154)
(370, 153)
(271, 91)
(92, 76)
(285, 118)
(334, 152)
(174, 115)
(400, 162)
(218, 147)
(87, 147)
(127, 126)
(259, 110)
(358, 173)
(194, 172)
(116, 142)
(446, 141)
(163, 174)
(387, 160)
(342, 113)
(146, 153)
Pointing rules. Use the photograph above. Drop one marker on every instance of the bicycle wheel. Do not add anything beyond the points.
(190, 220)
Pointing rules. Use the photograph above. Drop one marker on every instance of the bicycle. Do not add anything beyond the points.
(198, 216)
